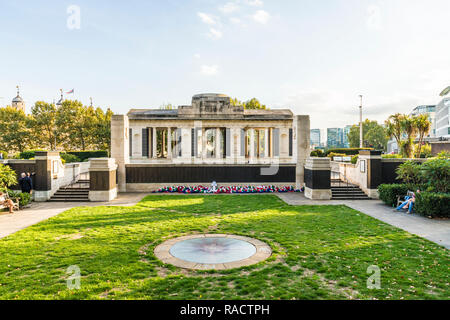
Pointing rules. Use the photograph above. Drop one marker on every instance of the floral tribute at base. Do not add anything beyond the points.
(230, 189)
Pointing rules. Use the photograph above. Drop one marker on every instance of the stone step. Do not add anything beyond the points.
(69, 200)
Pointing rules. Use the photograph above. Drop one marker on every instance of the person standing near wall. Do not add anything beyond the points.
(26, 185)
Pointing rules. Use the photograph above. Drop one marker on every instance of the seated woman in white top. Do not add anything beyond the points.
(6, 202)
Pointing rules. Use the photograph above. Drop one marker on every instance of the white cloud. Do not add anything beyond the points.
(234, 20)
(229, 7)
(255, 3)
(207, 18)
(261, 16)
(209, 70)
(197, 56)
(214, 33)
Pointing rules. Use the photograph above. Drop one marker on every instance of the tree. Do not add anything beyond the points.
(423, 126)
(43, 123)
(394, 127)
(254, 104)
(15, 130)
(75, 124)
(374, 135)
(235, 102)
(101, 137)
(167, 106)
(409, 128)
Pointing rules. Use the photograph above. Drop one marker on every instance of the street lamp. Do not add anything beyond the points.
(360, 124)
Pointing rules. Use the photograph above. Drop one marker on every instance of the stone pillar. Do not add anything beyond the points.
(301, 147)
(217, 142)
(169, 143)
(44, 174)
(252, 145)
(186, 144)
(317, 178)
(102, 175)
(120, 147)
(370, 168)
(154, 155)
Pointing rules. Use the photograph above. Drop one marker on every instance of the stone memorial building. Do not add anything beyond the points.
(209, 140)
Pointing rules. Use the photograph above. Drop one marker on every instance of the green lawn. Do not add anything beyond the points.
(320, 252)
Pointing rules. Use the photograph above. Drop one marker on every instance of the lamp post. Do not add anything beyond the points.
(360, 124)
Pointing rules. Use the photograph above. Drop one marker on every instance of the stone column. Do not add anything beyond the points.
(154, 155)
(317, 178)
(44, 175)
(217, 143)
(252, 145)
(102, 175)
(266, 143)
(370, 168)
(169, 143)
(120, 147)
(302, 147)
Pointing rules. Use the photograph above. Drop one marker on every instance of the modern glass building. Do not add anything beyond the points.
(431, 112)
(315, 137)
(443, 118)
(335, 138)
(345, 140)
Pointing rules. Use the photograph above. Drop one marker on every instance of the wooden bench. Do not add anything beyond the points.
(15, 201)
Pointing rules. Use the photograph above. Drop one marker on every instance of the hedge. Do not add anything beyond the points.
(4, 154)
(433, 204)
(347, 151)
(81, 155)
(85, 155)
(28, 154)
(388, 192)
(69, 158)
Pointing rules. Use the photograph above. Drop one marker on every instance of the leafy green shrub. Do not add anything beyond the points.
(354, 159)
(443, 155)
(85, 155)
(7, 177)
(346, 151)
(69, 158)
(391, 156)
(388, 192)
(4, 154)
(28, 154)
(317, 153)
(410, 172)
(333, 154)
(24, 198)
(433, 204)
(436, 172)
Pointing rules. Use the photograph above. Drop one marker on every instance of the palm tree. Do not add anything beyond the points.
(423, 127)
(408, 126)
(394, 127)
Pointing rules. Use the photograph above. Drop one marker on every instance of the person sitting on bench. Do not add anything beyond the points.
(408, 203)
(7, 203)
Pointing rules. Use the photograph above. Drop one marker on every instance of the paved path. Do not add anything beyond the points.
(39, 211)
(435, 230)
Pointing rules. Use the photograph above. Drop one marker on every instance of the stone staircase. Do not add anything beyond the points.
(77, 192)
(348, 193)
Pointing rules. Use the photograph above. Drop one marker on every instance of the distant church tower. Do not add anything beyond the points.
(18, 102)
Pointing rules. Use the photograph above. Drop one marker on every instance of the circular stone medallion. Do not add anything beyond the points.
(212, 251)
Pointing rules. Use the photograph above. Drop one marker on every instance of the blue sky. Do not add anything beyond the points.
(314, 57)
